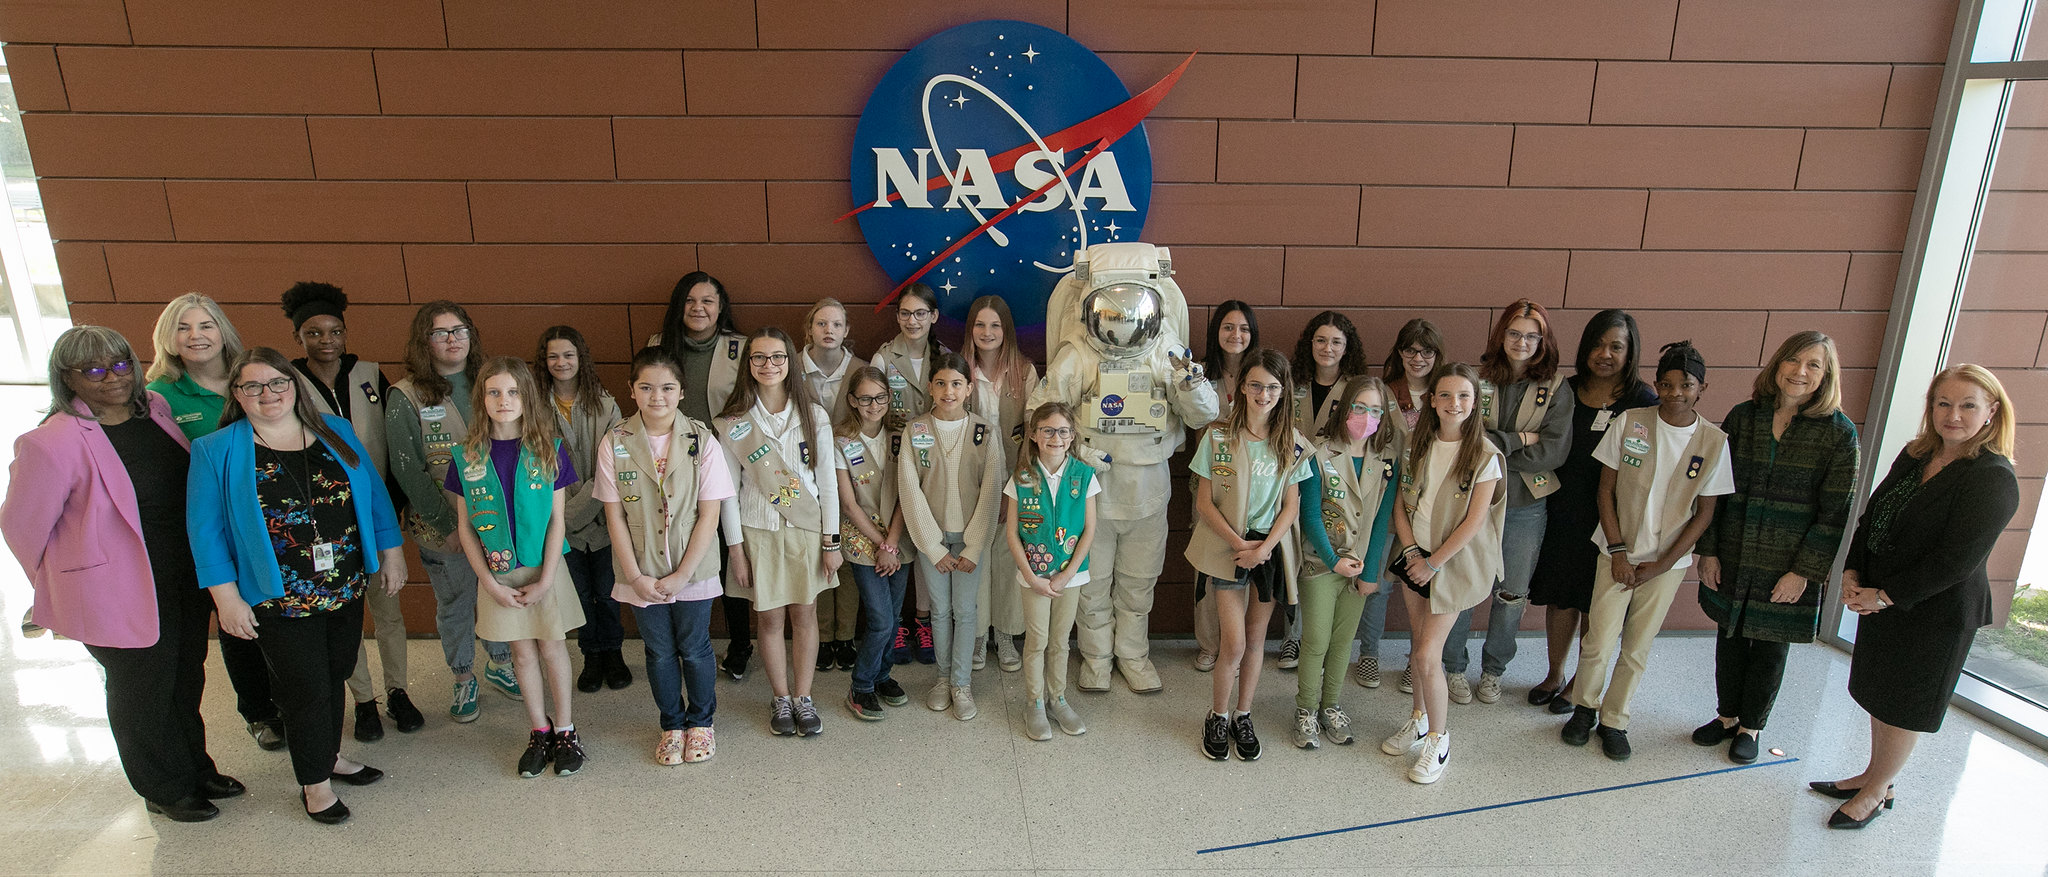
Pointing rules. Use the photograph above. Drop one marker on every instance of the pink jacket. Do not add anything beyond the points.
(70, 518)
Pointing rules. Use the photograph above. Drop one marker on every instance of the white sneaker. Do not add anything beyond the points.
(1306, 729)
(980, 652)
(1405, 740)
(1489, 688)
(940, 697)
(1429, 764)
(1006, 654)
(1408, 680)
(1205, 661)
(1460, 687)
(963, 704)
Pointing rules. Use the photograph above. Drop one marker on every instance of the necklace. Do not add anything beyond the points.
(323, 553)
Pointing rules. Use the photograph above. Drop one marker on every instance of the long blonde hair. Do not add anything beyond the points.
(537, 434)
(1996, 436)
(167, 366)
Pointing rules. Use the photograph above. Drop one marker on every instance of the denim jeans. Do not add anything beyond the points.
(677, 638)
(954, 614)
(881, 601)
(1521, 539)
(1372, 620)
(593, 575)
(455, 611)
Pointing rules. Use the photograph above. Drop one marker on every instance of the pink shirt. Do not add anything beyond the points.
(714, 483)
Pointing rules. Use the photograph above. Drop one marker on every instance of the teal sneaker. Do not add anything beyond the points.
(464, 709)
(501, 678)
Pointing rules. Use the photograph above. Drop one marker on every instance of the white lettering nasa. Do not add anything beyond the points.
(981, 187)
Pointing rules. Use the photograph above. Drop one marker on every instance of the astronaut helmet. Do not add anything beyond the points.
(1123, 318)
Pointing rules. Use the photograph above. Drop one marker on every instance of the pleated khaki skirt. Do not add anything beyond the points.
(557, 613)
(788, 566)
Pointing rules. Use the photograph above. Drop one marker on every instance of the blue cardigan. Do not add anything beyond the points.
(231, 543)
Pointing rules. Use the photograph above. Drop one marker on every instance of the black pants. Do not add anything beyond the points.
(153, 696)
(593, 575)
(1747, 673)
(310, 658)
(249, 676)
(739, 611)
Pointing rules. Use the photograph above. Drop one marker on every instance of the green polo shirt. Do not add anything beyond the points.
(196, 409)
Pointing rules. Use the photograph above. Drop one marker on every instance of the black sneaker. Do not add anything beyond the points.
(1713, 733)
(1580, 728)
(1216, 737)
(891, 692)
(616, 674)
(845, 654)
(568, 752)
(808, 722)
(404, 716)
(538, 752)
(592, 677)
(369, 729)
(864, 705)
(1244, 739)
(925, 655)
(735, 663)
(782, 717)
(1743, 750)
(825, 650)
(1614, 742)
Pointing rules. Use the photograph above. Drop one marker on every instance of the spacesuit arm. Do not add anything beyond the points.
(1195, 401)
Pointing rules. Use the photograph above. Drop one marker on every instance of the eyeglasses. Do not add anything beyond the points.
(1521, 338)
(1262, 389)
(442, 336)
(1055, 432)
(876, 399)
(96, 374)
(1359, 408)
(918, 316)
(1418, 353)
(761, 359)
(253, 389)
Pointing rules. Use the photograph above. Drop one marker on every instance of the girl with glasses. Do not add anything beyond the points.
(1050, 502)
(866, 459)
(906, 361)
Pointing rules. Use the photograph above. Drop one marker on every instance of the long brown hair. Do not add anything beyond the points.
(1996, 436)
(1827, 398)
(590, 392)
(747, 392)
(1279, 430)
(1026, 473)
(1470, 437)
(1494, 365)
(537, 433)
(419, 358)
(1415, 332)
(1011, 363)
(302, 401)
(1335, 427)
(848, 424)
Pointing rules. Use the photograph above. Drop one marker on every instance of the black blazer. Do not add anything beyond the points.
(1941, 540)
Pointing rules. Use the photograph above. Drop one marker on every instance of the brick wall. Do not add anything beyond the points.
(1730, 170)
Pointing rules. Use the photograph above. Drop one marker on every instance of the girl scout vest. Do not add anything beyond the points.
(920, 446)
(365, 410)
(660, 505)
(1536, 401)
(1640, 466)
(1351, 499)
(910, 393)
(725, 367)
(1227, 459)
(872, 470)
(1051, 513)
(441, 429)
(533, 504)
(1468, 576)
(779, 479)
(1309, 421)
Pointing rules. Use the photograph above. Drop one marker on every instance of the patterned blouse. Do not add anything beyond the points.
(310, 511)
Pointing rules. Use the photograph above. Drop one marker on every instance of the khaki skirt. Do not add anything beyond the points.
(788, 567)
(557, 613)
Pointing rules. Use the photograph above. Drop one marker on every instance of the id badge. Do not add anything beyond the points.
(323, 556)
(1601, 420)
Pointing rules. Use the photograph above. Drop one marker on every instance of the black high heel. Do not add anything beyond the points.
(334, 815)
(1838, 793)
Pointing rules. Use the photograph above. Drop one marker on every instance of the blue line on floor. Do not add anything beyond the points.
(1558, 797)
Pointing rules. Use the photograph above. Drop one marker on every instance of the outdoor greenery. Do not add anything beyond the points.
(2025, 634)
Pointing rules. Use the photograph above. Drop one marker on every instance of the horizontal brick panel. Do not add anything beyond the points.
(1734, 281)
(1841, 30)
(807, 212)
(2007, 555)
(1857, 335)
(514, 330)
(1777, 220)
(153, 80)
(65, 21)
(319, 211)
(829, 24)
(547, 273)
(83, 266)
(2028, 390)
(1211, 275)
(785, 83)
(1445, 89)
(94, 145)
(1562, 29)
(1528, 218)
(1872, 278)
(430, 148)
(1909, 103)
(352, 23)
(795, 273)
(1998, 339)
(1284, 27)
(2028, 107)
(255, 273)
(2022, 159)
(109, 210)
(2005, 281)
(561, 83)
(2030, 451)
(1350, 152)
(1732, 342)
(2030, 499)
(264, 326)
(1791, 95)
(733, 149)
(1629, 157)
(1183, 150)
(618, 212)
(1464, 329)
(614, 24)
(1339, 276)
(1215, 86)
(1218, 214)
(1879, 159)
(2014, 221)
(38, 84)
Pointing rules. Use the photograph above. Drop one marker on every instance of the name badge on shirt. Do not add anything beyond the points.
(1601, 420)
(323, 556)
(187, 418)
(434, 412)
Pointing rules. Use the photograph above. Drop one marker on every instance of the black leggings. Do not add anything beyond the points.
(1747, 673)
(310, 657)
(153, 696)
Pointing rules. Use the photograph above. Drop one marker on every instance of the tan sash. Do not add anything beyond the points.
(760, 456)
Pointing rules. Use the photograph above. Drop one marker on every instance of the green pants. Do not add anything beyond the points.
(1329, 614)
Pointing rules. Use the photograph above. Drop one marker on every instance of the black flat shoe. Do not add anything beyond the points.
(1841, 794)
(362, 777)
(1539, 695)
(186, 809)
(616, 674)
(1713, 733)
(1844, 821)
(1743, 750)
(220, 786)
(334, 815)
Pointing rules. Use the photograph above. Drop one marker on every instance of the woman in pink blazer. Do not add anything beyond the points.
(95, 512)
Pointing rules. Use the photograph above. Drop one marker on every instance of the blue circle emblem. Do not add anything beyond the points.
(979, 165)
(1112, 404)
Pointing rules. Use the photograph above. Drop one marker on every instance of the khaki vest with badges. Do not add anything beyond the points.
(1008, 419)
(725, 367)
(872, 471)
(778, 479)
(910, 392)
(441, 429)
(1206, 551)
(366, 411)
(1639, 465)
(921, 448)
(1468, 577)
(660, 513)
(1351, 500)
(1309, 421)
(1536, 401)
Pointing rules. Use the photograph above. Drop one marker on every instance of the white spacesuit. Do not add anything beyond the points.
(1115, 331)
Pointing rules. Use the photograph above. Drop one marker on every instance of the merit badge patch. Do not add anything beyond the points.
(1543, 395)
(1692, 469)
(758, 453)
(739, 429)
(1635, 445)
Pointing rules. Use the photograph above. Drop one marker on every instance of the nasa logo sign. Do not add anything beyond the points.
(991, 152)
(1112, 404)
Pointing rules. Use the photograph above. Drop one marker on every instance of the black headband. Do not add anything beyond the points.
(316, 307)
(1684, 357)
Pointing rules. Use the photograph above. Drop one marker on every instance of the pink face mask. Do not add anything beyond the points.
(1363, 425)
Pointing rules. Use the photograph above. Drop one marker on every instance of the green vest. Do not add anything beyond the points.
(533, 505)
(1049, 541)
